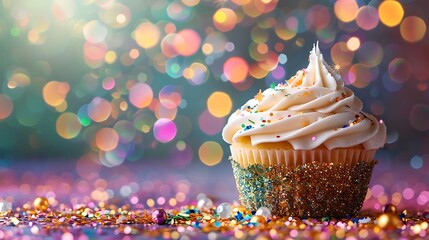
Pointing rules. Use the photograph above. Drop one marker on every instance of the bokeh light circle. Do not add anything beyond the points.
(106, 139)
(54, 93)
(95, 32)
(99, 109)
(174, 67)
(190, 3)
(170, 97)
(391, 13)
(353, 44)
(167, 45)
(287, 29)
(341, 55)
(147, 35)
(413, 29)
(164, 130)
(141, 95)
(359, 75)
(210, 153)
(370, 53)
(399, 70)
(112, 158)
(235, 69)
(6, 106)
(187, 42)
(224, 19)
(162, 111)
(178, 11)
(144, 120)
(197, 73)
(318, 17)
(416, 162)
(346, 10)
(19, 79)
(96, 54)
(367, 18)
(219, 104)
(68, 125)
(108, 83)
(210, 124)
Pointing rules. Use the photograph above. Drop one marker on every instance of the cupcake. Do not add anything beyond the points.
(304, 147)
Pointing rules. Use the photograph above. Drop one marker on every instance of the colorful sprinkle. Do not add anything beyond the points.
(259, 96)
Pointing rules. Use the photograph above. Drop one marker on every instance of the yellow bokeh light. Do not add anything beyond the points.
(121, 18)
(207, 48)
(110, 57)
(188, 73)
(54, 93)
(150, 202)
(241, 2)
(210, 153)
(413, 29)
(219, 104)
(68, 125)
(147, 35)
(190, 3)
(123, 106)
(220, 16)
(257, 71)
(346, 10)
(353, 44)
(224, 19)
(172, 202)
(391, 13)
(107, 139)
(287, 30)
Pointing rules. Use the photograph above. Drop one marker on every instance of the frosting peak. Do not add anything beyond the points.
(311, 109)
(318, 73)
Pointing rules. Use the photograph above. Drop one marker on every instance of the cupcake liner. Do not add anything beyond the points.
(295, 158)
(313, 189)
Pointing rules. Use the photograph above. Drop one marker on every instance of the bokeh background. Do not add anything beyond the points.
(114, 85)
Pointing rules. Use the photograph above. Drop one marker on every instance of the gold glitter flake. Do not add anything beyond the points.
(310, 190)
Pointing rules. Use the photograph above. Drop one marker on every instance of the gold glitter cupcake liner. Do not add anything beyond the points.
(293, 158)
(314, 189)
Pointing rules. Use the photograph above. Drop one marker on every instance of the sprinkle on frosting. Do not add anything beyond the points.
(313, 102)
(259, 96)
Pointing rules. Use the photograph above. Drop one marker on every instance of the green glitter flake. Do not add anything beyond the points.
(310, 190)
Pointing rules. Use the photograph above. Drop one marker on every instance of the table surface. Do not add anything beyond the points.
(135, 189)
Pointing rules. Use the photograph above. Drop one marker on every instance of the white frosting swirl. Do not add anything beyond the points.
(310, 109)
